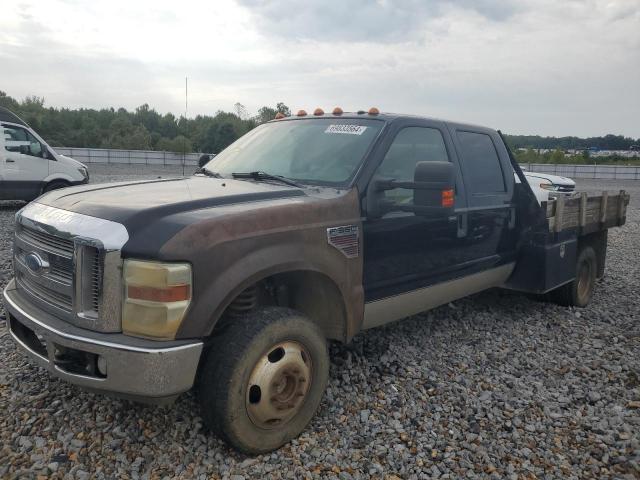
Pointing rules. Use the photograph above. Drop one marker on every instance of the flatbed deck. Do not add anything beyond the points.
(587, 213)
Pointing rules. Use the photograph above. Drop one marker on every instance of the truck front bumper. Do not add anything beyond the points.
(130, 367)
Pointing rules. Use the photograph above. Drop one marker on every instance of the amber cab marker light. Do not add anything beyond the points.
(447, 198)
(337, 111)
(279, 115)
(374, 111)
(301, 113)
(318, 112)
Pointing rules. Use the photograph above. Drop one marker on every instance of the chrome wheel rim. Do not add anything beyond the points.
(278, 385)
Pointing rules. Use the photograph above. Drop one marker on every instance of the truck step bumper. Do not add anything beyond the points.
(143, 370)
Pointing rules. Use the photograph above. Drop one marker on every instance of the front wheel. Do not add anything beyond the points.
(263, 378)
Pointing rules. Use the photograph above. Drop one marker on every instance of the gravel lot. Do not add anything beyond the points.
(497, 385)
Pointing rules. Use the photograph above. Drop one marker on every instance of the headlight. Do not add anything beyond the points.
(156, 297)
(84, 172)
(549, 186)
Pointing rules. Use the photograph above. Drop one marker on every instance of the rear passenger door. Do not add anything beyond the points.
(489, 217)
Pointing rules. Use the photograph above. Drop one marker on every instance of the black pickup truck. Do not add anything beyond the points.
(308, 228)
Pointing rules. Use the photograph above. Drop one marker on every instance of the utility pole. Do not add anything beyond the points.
(186, 124)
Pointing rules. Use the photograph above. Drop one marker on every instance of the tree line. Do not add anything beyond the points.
(146, 129)
(141, 129)
(607, 142)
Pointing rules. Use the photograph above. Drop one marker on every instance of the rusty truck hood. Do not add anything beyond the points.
(233, 232)
(143, 201)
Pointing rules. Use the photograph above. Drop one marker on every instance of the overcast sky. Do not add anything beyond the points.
(550, 67)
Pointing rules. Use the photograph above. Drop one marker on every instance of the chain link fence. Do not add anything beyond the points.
(619, 172)
(150, 157)
(130, 157)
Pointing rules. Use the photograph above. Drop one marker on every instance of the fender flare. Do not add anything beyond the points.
(274, 259)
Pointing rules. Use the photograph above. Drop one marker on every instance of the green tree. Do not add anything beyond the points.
(241, 111)
(179, 144)
(557, 156)
(283, 109)
(265, 114)
(226, 135)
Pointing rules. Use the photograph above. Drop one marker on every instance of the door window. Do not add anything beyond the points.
(411, 145)
(481, 166)
(19, 140)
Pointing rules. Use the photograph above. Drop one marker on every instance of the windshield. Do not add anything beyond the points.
(323, 150)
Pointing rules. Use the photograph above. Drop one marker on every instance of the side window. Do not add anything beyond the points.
(411, 145)
(480, 164)
(19, 140)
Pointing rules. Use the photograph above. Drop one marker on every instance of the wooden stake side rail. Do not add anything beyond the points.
(587, 213)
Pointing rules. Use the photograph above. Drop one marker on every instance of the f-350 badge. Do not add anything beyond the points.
(346, 239)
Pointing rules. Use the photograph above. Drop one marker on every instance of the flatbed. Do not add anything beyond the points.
(308, 228)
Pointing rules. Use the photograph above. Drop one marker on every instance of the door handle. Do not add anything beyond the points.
(8, 160)
(512, 217)
(462, 225)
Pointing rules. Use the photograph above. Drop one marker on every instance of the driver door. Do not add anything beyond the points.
(405, 251)
(25, 163)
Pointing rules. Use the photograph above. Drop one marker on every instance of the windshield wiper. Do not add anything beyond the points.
(265, 176)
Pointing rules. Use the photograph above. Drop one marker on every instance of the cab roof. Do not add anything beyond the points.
(386, 117)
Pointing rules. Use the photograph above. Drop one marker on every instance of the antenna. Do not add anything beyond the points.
(186, 125)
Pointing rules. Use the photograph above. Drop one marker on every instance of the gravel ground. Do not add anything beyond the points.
(497, 385)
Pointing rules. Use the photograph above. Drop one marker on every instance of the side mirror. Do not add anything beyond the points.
(203, 160)
(433, 192)
(25, 150)
(438, 185)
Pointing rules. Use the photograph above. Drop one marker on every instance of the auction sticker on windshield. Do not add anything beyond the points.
(348, 129)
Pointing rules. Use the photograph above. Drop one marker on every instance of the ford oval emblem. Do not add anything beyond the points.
(35, 263)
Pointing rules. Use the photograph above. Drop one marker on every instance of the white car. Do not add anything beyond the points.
(30, 167)
(544, 185)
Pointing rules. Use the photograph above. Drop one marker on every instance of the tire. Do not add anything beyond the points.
(263, 379)
(578, 293)
(55, 185)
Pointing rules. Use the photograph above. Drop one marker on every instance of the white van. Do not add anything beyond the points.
(30, 167)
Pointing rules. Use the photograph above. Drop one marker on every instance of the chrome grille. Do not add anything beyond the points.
(62, 270)
(92, 261)
(52, 286)
(53, 298)
(46, 241)
(96, 281)
(69, 264)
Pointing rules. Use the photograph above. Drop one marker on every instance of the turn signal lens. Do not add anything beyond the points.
(177, 293)
(318, 111)
(448, 198)
(157, 297)
(337, 111)
(301, 113)
(374, 111)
